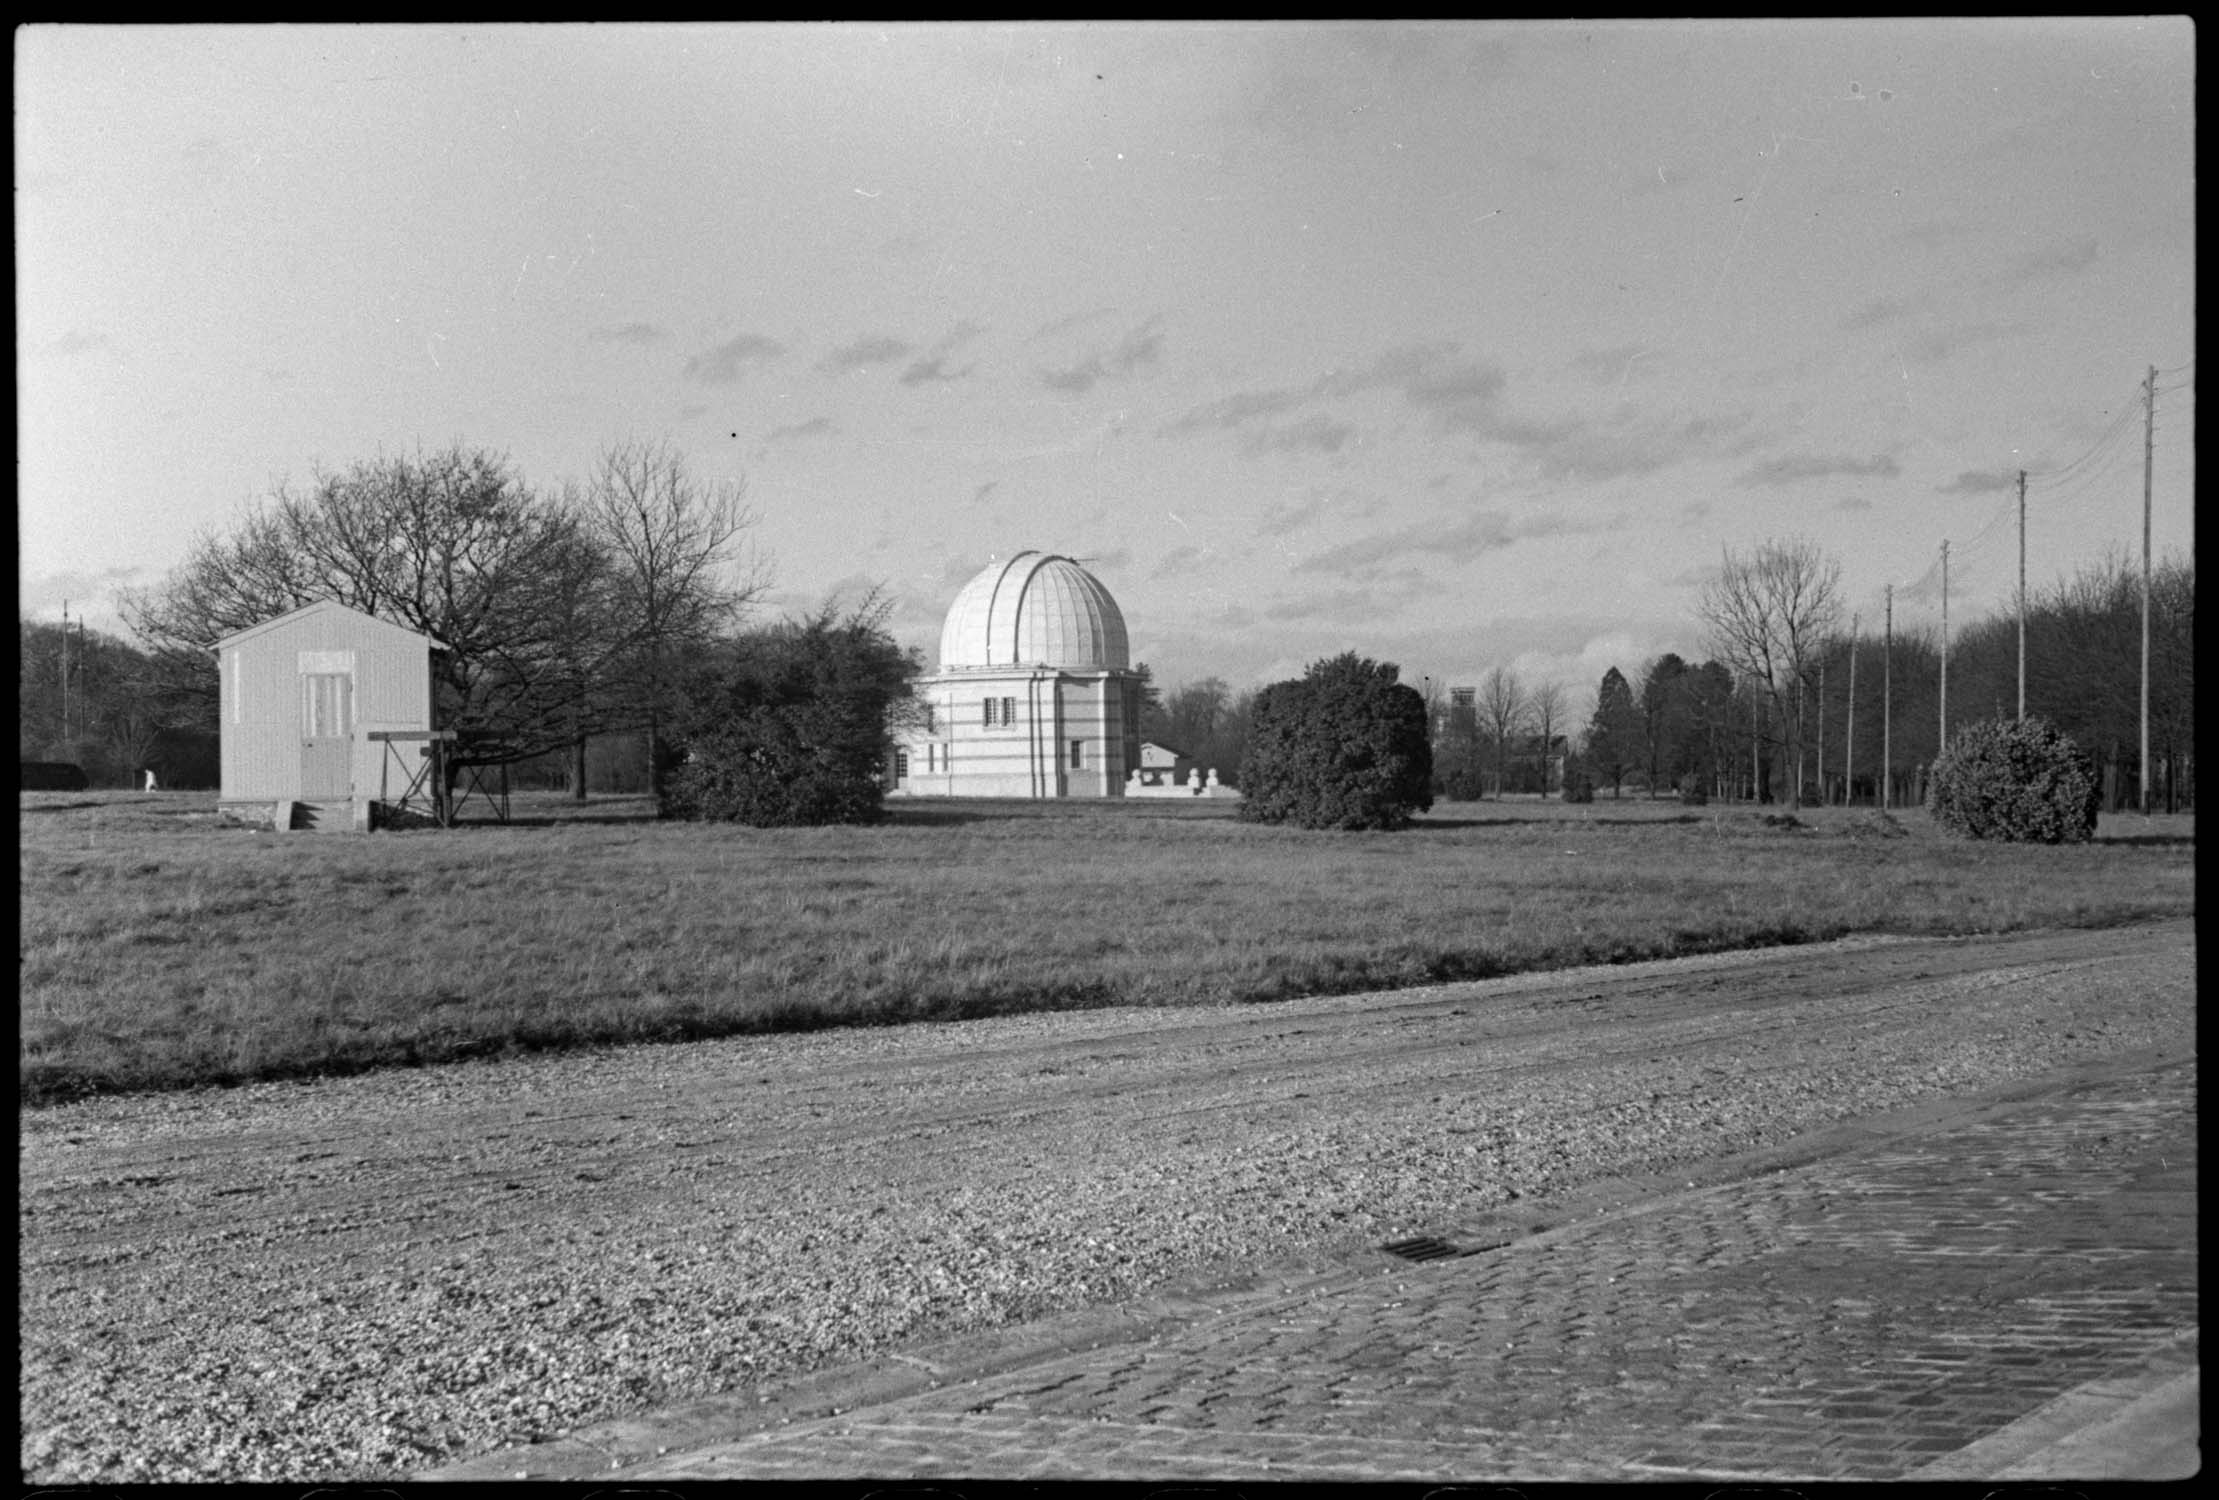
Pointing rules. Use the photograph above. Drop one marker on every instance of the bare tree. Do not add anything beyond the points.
(1548, 711)
(450, 543)
(677, 576)
(1769, 614)
(1502, 711)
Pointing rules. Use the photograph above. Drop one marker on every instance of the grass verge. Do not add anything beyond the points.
(162, 950)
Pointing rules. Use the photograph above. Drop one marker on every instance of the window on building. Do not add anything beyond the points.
(901, 766)
(990, 713)
(1009, 710)
(1078, 748)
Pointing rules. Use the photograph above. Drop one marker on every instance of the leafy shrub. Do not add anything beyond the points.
(2024, 782)
(789, 726)
(53, 776)
(1694, 792)
(1342, 746)
(1461, 784)
(1578, 785)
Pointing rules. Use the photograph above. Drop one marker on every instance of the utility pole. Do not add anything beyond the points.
(2149, 452)
(2022, 596)
(1887, 707)
(65, 677)
(1849, 736)
(1942, 730)
(1824, 800)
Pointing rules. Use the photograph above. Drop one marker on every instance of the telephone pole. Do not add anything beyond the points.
(1887, 707)
(1849, 735)
(65, 677)
(1942, 732)
(2149, 452)
(2022, 596)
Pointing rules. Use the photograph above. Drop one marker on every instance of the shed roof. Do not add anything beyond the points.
(329, 607)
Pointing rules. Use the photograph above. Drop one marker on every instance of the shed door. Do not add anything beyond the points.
(327, 734)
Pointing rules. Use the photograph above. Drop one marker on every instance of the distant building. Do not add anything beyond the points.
(300, 696)
(1035, 695)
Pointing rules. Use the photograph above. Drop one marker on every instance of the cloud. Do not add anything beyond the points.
(1347, 606)
(1978, 482)
(628, 333)
(2059, 260)
(873, 349)
(1797, 467)
(1231, 411)
(978, 496)
(728, 361)
(1143, 346)
(76, 341)
(1066, 324)
(1943, 342)
(1179, 560)
(1613, 366)
(1281, 519)
(814, 427)
(1882, 310)
(933, 365)
(1460, 541)
(1853, 503)
(90, 596)
(1319, 433)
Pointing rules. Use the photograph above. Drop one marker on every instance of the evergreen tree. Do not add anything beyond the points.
(1614, 734)
(1343, 746)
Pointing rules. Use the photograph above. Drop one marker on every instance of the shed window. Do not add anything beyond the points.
(1077, 749)
(324, 706)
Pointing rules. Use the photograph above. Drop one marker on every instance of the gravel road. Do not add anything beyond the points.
(358, 1278)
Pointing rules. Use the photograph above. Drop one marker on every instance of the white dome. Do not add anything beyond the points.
(1035, 610)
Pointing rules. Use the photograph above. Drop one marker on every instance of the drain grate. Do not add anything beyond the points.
(1424, 1247)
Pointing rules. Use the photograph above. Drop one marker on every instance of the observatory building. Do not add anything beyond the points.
(1035, 695)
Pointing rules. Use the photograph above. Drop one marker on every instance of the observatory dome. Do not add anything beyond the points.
(1035, 610)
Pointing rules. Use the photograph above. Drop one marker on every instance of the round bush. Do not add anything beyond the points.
(1694, 791)
(1578, 785)
(2024, 783)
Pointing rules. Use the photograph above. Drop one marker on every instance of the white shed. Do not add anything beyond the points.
(301, 696)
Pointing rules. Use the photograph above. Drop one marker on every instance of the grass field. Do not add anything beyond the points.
(162, 950)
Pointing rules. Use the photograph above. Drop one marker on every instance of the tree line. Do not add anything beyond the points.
(610, 608)
(86, 698)
(1796, 708)
(564, 613)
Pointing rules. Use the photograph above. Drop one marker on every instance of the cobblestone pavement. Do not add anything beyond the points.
(1861, 1305)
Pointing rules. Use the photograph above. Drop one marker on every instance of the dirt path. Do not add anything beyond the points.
(363, 1276)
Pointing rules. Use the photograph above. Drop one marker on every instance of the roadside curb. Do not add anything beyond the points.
(2141, 1426)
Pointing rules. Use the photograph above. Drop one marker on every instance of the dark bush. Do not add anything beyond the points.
(789, 726)
(1578, 785)
(1343, 746)
(53, 776)
(1461, 784)
(2022, 783)
(1694, 791)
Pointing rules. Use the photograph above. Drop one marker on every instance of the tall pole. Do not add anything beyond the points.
(1941, 737)
(2022, 595)
(2149, 451)
(1887, 707)
(1849, 735)
(1824, 799)
(65, 677)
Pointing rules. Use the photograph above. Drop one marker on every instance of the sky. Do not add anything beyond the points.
(1457, 345)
